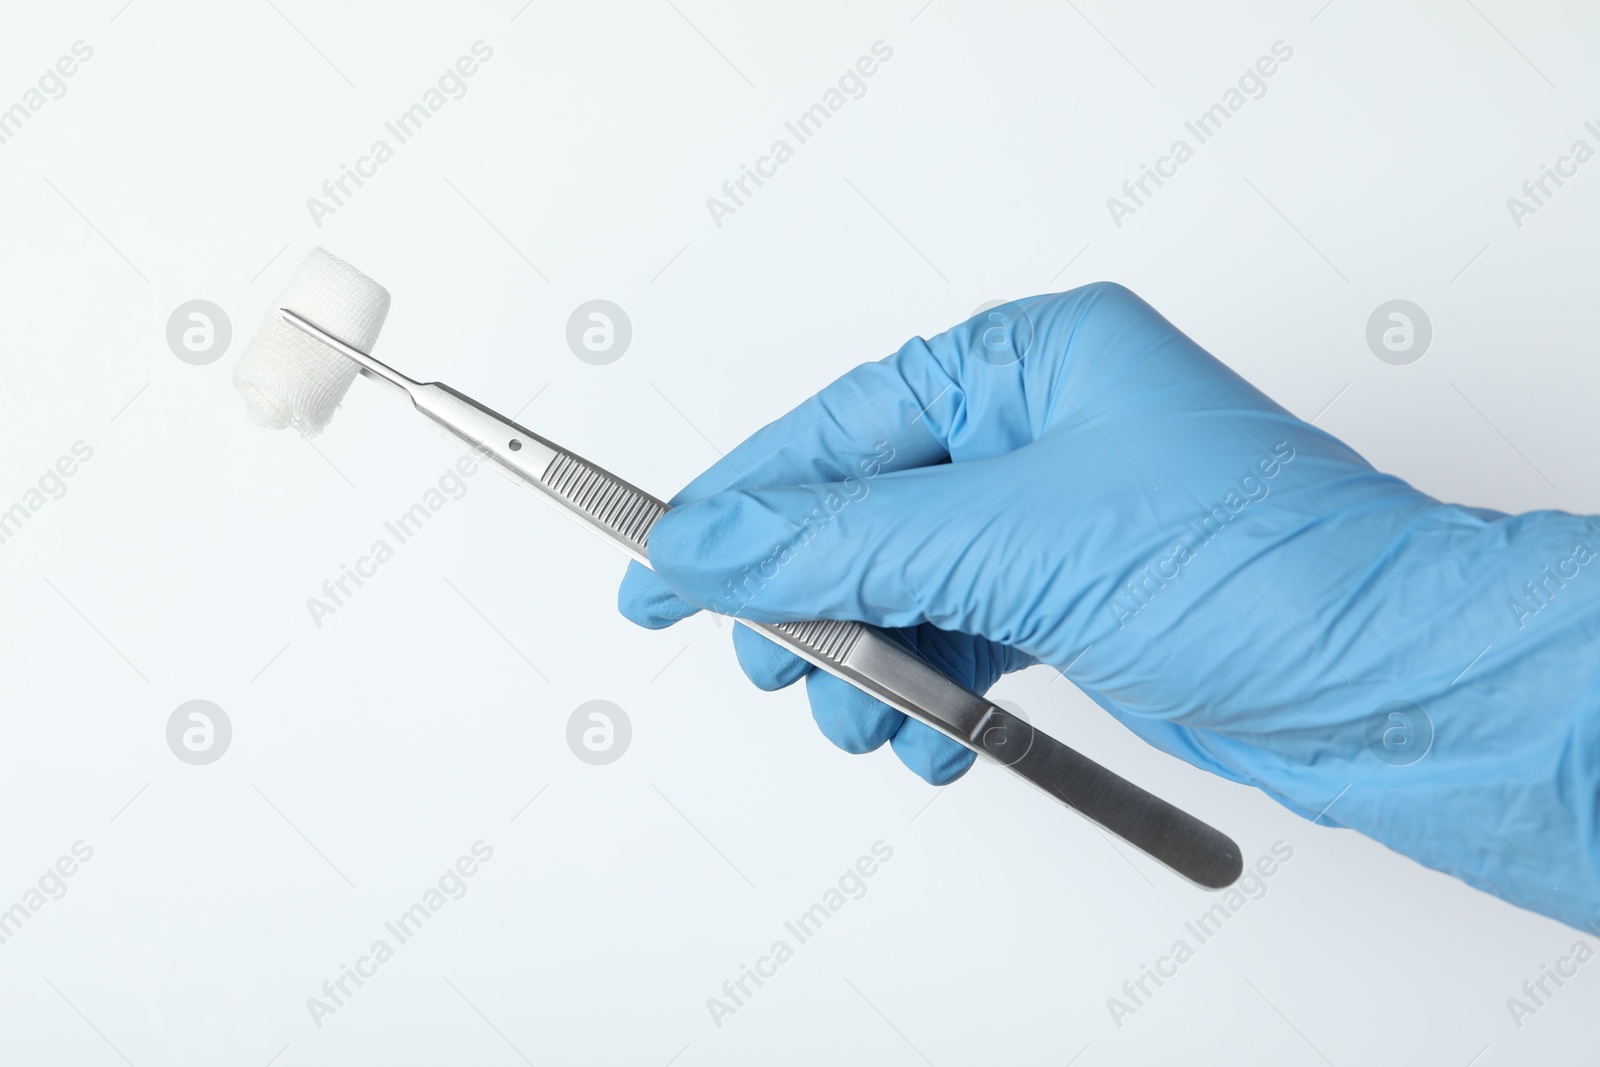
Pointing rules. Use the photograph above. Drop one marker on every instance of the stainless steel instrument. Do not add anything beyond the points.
(866, 657)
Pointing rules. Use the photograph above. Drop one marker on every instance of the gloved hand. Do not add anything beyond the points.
(1070, 480)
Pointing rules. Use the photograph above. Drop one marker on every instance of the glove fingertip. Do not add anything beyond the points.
(851, 719)
(768, 666)
(934, 758)
(644, 599)
(681, 548)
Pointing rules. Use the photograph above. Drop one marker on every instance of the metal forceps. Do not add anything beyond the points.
(864, 656)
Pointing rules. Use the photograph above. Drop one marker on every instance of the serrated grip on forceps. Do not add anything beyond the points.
(868, 658)
(880, 665)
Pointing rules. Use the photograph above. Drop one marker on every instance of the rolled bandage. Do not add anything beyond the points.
(288, 379)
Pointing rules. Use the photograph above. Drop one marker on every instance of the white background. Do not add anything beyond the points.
(368, 754)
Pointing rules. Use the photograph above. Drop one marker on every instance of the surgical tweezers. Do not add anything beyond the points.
(865, 656)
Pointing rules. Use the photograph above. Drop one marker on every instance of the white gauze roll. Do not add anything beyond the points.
(288, 379)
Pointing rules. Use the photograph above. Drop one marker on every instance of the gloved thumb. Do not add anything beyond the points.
(898, 550)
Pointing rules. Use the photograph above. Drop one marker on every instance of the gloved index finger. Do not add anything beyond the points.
(961, 395)
(869, 417)
(864, 423)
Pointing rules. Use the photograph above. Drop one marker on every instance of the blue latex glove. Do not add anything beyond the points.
(1070, 480)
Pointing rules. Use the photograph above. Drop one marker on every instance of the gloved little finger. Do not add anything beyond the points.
(858, 723)
(768, 665)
